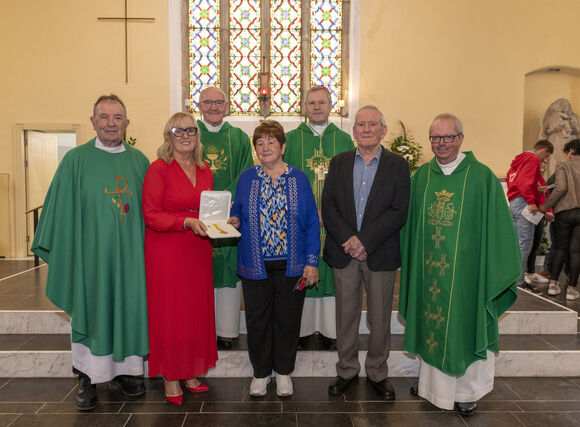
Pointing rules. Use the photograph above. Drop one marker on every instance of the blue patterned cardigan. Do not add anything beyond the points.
(303, 229)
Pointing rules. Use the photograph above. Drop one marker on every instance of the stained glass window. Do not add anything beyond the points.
(325, 47)
(285, 55)
(245, 41)
(270, 46)
(204, 47)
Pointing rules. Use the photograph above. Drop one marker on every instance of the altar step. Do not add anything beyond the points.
(48, 355)
(537, 338)
(530, 314)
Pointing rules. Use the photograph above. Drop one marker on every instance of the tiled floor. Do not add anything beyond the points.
(514, 402)
(50, 402)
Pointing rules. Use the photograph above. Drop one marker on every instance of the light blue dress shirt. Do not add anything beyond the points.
(363, 175)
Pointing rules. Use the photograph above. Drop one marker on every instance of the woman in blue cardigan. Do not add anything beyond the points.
(275, 211)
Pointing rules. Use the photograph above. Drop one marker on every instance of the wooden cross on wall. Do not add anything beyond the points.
(126, 21)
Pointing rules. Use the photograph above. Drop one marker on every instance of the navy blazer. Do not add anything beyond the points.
(385, 212)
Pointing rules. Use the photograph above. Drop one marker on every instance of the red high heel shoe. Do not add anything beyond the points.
(194, 386)
(173, 392)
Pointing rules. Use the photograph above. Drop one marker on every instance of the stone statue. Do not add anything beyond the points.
(559, 125)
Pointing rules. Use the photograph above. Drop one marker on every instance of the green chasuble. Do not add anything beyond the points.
(312, 154)
(91, 235)
(460, 260)
(228, 153)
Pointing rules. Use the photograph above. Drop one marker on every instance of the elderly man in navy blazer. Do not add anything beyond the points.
(364, 205)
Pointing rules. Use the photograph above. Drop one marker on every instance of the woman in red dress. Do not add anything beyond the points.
(178, 261)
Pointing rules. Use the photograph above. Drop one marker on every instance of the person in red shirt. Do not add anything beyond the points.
(522, 181)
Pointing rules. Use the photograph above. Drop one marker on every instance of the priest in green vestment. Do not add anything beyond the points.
(228, 152)
(91, 235)
(460, 262)
(310, 147)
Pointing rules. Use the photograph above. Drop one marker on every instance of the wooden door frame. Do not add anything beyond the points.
(17, 195)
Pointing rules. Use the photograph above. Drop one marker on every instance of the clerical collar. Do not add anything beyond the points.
(450, 167)
(213, 128)
(318, 130)
(109, 149)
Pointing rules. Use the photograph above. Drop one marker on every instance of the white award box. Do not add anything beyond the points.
(214, 211)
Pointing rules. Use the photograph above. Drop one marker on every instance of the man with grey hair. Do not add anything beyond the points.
(459, 264)
(228, 152)
(364, 205)
(310, 148)
(91, 234)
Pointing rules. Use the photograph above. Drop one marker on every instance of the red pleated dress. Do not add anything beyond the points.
(182, 338)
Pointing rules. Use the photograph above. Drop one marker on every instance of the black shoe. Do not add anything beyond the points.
(329, 344)
(302, 342)
(466, 408)
(415, 389)
(224, 343)
(130, 386)
(530, 288)
(384, 388)
(339, 385)
(86, 398)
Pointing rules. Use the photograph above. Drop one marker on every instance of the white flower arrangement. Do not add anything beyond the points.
(407, 148)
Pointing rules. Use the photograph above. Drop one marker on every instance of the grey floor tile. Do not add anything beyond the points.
(7, 419)
(543, 388)
(328, 407)
(524, 342)
(155, 420)
(19, 407)
(72, 420)
(563, 342)
(501, 391)
(242, 407)
(448, 419)
(10, 342)
(486, 419)
(398, 406)
(47, 342)
(324, 420)
(238, 420)
(69, 408)
(160, 407)
(549, 405)
(543, 419)
(36, 390)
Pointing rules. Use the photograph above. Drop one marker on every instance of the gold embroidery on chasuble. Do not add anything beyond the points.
(318, 164)
(434, 290)
(440, 213)
(441, 210)
(431, 343)
(118, 201)
(218, 159)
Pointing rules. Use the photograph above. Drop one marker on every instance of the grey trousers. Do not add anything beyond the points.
(379, 286)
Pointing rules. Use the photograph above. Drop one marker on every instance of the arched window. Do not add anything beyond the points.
(266, 54)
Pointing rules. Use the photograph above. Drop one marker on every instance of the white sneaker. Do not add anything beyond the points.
(284, 385)
(538, 278)
(259, 386)
(572, 294)
(528, 279)
(554, 289)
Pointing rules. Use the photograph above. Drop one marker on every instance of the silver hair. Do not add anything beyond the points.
(219, 89)
(448, 116)
(372, 107)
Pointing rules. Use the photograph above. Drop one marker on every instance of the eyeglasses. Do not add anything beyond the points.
(447, 139)
(192, 131)
(217, 103)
